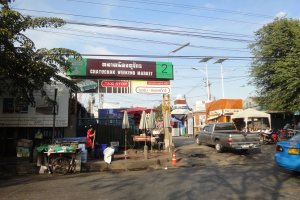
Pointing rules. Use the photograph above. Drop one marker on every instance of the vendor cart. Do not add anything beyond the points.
(60, 159)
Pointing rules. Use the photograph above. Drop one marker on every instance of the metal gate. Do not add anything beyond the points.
(107, 131)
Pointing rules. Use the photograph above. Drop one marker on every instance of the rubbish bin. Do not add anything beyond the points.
(115, 145)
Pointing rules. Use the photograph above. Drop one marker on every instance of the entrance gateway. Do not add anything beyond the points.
(121, 76)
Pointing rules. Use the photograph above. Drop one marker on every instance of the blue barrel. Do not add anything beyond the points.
(83, 156)
(103, 146)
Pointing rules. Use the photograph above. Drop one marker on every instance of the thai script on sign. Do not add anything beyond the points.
(132, 66)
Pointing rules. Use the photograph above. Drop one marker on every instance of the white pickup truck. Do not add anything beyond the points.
(225, 135)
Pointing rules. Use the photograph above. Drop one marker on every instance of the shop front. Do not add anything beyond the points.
(221, 110)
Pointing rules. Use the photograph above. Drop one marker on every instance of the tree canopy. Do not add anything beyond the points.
(23, 68)
(275, 69)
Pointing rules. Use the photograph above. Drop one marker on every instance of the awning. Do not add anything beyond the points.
(139, 110)
(250, 114)
(212, 117)
(180, 112)
(297, 112)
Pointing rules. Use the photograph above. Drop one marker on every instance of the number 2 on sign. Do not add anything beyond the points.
(165, 68)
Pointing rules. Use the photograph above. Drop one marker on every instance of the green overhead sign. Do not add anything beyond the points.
(164, 70)
(78, 67)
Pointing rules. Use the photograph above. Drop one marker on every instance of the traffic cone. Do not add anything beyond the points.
(174, 159)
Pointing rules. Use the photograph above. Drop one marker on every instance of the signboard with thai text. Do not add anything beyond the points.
(120, 69)
(151, 87)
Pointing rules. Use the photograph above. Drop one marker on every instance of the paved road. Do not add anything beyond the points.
(192, 154)
(254, 179)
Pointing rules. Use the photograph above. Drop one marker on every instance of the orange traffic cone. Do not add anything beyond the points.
(174, 159)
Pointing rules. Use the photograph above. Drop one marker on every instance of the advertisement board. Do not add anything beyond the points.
(124, 86)
(120, 69)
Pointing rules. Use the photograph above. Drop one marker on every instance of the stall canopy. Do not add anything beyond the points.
(180, 114)
(139, 110)
(250, 114)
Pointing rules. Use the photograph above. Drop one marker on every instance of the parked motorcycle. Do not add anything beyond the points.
(269, 137)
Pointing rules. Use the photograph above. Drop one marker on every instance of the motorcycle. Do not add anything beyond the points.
(269, 137)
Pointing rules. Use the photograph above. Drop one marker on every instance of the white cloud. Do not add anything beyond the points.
(281, 14)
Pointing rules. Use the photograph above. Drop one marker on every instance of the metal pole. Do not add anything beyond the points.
(181, 47)
(207, 84)
(205, 59)
(125, 152)
(54, 113)
(222, 77)
(221, 60)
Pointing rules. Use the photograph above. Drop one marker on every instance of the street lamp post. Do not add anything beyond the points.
(174, 51)
(221, 60)
(205, 59)
(179, 48)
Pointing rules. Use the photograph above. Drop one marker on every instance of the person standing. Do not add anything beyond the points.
(89, 144)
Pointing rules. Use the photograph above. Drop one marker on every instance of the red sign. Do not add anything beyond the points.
(158, 82)
(117, 84)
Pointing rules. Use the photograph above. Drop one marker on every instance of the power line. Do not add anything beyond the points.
(81, 40)
(198, 7)
(138, 22)
(169, 12)
(155, 41)
(186, 57)
(133, 39)
(161, 31)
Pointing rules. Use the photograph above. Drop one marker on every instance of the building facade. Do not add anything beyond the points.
(33, 124)
(221, 110)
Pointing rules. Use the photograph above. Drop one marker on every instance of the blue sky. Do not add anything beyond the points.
(213, 21)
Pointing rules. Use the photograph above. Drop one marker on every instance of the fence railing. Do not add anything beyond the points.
(107, 131)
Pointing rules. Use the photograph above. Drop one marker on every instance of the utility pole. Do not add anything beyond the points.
(221, 60)
(166, 104)
(209, 84)
(205, 59)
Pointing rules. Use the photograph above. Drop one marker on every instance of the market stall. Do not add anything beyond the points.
(62, 158)
(253, 119)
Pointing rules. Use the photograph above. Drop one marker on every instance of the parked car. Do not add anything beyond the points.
(287, 153)
(225, 135)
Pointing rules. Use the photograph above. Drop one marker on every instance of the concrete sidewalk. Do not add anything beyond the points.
(135, 160)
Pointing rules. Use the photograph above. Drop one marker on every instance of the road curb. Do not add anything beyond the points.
(128, 165)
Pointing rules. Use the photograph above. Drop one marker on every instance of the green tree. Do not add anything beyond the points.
(275, 69)
(23, 68)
